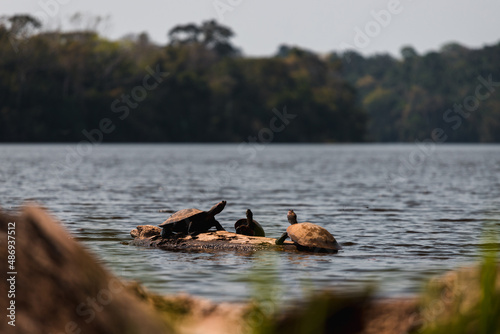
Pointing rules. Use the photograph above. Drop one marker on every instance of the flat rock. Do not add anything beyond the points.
(150, 236)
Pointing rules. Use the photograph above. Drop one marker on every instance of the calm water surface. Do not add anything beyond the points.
(400, 214)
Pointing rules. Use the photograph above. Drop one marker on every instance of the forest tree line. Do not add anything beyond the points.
(57, 86)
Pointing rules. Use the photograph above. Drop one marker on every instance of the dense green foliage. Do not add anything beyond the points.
(59, 86)
(406, 99)
(71, 86)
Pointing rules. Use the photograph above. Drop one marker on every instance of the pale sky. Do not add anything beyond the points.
(319, 25)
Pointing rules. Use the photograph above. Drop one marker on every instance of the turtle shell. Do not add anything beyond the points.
(310, 235)
(186, 214)
(258, 231)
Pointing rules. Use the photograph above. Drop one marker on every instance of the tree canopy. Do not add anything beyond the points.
(407, 98)
(58, 86)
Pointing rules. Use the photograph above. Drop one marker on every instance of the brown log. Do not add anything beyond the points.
(150, 236)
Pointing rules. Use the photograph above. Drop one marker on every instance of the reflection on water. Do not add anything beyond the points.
(396, 226)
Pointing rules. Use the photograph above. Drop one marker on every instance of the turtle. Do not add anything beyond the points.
(192, 221)
(308, 236)
(248, 226)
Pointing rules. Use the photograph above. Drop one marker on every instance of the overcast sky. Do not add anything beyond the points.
(262, 25)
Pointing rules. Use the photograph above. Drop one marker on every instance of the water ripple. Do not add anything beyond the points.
(397, 226)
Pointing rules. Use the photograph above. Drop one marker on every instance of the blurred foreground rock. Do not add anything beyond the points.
(61, 288)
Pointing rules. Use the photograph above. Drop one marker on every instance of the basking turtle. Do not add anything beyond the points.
(192, 221)
(308, 236)
(248, 226)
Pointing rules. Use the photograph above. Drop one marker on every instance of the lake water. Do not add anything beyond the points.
(402, 213)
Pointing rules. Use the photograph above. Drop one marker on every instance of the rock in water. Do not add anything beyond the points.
(149, 236)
